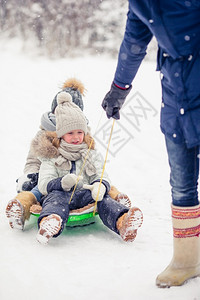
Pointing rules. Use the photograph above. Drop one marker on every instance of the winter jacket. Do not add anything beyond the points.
(176, 26)
(50, 175)
(32, 162)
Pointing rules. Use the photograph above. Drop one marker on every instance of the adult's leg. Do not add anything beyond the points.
(184, 166)
(185, 264)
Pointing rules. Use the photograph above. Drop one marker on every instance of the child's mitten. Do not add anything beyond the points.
(69, 180)
(27, 182)
(94, 188)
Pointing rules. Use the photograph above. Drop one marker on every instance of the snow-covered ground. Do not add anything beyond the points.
(89, 262)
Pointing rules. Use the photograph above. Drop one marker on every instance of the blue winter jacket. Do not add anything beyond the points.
(176, 26)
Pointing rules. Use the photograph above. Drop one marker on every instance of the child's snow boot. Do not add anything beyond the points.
(119, 197)
(18, 209)
(36, 209)
(129, 223)
(185, 263)
(123, 199)
(49, 226)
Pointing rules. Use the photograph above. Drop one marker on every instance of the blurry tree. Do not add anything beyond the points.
(65, 27)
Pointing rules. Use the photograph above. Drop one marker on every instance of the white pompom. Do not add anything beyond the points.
(64, 97)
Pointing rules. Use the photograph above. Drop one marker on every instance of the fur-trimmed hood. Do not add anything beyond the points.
(50, 151)
(46, 143)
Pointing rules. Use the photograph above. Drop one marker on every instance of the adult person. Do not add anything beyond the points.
(176, 27)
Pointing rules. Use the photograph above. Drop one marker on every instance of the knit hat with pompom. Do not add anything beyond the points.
(75, 88)
(68, 115)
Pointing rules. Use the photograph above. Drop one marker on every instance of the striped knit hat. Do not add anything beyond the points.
(75, 88)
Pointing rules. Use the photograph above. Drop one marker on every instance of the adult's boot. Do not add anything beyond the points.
(185, 263)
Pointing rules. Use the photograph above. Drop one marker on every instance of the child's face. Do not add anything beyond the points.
(74, 137)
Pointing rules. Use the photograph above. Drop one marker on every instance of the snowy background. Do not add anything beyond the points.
(90, 262)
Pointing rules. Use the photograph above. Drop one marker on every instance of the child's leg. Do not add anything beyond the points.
(36, 193)
(81, 198)
(18, 209)
(36, 208)
(119, 218)
(109, 211)
(54, 214)
(49, 226)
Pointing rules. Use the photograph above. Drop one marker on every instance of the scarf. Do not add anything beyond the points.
(69, 153)
(48, 121)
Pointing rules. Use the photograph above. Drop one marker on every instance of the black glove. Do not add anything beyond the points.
(27, 182)
(114, 100)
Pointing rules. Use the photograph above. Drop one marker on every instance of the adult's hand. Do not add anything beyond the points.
(114, 100)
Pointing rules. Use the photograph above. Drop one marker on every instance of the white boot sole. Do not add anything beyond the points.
(48, 228)
(134, 220)
(14, 212)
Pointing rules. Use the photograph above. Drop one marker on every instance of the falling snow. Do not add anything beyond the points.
(89, 262)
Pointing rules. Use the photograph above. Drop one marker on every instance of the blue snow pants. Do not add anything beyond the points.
(57, 202)
(184, 165)
(36, 193)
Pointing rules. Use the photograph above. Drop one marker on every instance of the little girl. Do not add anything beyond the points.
(63, 155)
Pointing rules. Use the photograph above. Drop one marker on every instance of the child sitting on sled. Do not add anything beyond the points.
(29, 197)
(62, 159)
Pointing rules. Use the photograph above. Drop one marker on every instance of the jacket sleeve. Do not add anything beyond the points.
(48, 172)
(54, 184)
(32, 162)
(133, 49)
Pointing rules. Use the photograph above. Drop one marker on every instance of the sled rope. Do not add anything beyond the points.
(79, 175)
(95, 205)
